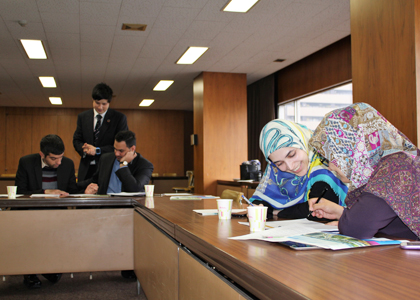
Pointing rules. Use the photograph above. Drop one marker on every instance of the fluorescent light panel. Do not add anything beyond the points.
(47, 81)
(241, 6)
(56, 101)
(34, 49)
(146, 102)
(191, 55)
(163, 85)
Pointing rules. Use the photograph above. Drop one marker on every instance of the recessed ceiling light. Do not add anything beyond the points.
(241, 6)
(191, 55)
(34, 49)
(163, 85)
(135, 27)
(56, 101)
(47, 81)
(146, 102)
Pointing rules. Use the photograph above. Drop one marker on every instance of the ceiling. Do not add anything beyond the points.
(85, 45)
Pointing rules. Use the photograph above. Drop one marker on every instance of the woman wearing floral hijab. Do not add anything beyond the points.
(294, 173)
(383, 169)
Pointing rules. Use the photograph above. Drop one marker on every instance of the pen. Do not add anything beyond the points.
(247, 201)
(319, 198)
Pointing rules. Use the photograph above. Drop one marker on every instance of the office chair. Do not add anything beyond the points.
(190, 187)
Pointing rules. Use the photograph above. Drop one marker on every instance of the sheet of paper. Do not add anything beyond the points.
(88, 196)
(193, 197)
(298, 222)
(177, 194)
(124, 194)
(213, 212)
(45, 196)
(6, 195)
(279, 234)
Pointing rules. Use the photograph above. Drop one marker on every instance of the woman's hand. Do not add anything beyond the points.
(325, 209)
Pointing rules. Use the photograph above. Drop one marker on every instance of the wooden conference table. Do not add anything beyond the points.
(178, 254)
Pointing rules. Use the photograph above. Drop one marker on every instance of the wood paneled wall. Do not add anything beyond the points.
(220, 121)
(160, 135)
(323, 69)
(385, 59)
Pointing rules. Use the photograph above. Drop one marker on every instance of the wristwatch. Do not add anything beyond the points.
(124, 163)
(98, 151)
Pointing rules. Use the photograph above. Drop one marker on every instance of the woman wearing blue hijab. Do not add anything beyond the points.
(294, 173)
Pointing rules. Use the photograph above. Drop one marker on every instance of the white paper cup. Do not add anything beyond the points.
(257, 216)
(11, 192)
(149, 188)
(224, 208)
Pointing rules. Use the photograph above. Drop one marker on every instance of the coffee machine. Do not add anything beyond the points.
(251, 170)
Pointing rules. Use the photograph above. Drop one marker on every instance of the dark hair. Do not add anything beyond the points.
(127, 136)
(102, 91)
(52, 143)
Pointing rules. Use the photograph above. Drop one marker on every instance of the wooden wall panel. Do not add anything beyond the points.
(323, 69)
(18, 140)
(2, 143)
(160, 138)
(384, 59)
(224, 138)
(160, 135)
(198, 88)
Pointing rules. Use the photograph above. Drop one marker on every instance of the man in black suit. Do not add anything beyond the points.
(125, 170)
(96, 129)
(46, 172)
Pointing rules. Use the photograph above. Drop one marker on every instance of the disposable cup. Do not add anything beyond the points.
(224, 208)
(11, 192)
(257, 216)
(149, 188)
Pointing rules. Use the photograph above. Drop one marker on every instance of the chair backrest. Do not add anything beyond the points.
(190, 175)
(235, 195)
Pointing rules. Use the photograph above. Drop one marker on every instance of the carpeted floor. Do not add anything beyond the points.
(104, 285)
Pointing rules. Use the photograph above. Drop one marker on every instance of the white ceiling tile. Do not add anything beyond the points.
(99, 13)
(58, 6)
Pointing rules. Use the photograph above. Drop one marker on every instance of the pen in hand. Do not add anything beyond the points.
(247, 201)
(319, 198)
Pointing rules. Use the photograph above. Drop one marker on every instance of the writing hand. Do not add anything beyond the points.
(325, 209)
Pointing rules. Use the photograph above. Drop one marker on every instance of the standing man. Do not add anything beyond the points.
(46, 172)
(96, 129)
(125, 170)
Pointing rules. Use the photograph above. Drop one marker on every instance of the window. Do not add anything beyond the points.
(309, 111)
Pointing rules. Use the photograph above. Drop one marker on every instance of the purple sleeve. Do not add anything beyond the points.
(366, 217)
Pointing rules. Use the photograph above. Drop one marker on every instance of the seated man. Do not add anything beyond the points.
(125, 170)
(46, 172)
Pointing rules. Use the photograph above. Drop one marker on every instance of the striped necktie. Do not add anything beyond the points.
(97, 126)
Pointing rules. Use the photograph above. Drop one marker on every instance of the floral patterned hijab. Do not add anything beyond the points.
(355, 138)
(375, 156)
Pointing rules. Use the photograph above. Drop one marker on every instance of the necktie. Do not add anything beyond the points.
(97, 126)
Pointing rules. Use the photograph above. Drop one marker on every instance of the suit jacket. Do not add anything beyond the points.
(112, 123)
(29, 175)
(133, 177)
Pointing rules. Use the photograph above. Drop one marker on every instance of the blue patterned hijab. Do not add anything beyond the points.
(283, 189)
